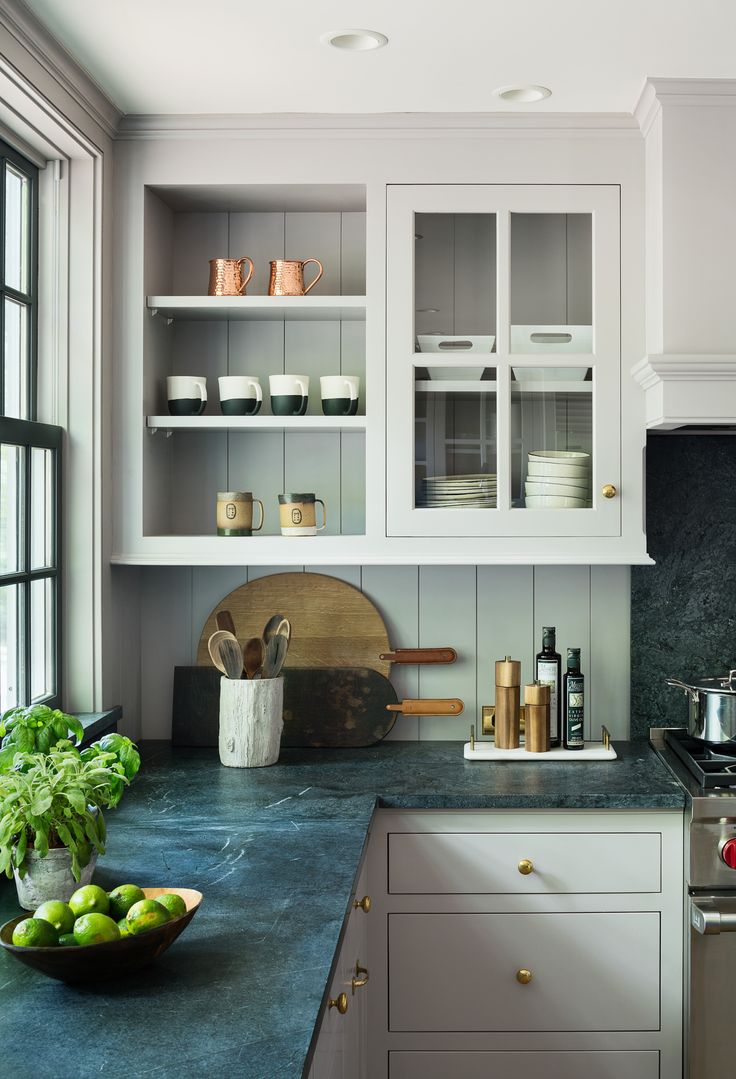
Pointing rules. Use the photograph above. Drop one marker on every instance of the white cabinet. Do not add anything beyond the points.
(526, 943)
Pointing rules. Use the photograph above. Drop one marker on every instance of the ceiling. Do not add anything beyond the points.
(239, 56)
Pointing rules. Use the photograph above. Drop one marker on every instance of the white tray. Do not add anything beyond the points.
(486, 751)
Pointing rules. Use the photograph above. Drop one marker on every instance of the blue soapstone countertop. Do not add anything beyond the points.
(276, 852)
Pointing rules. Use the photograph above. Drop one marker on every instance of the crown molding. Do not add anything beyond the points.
(21, 24)
(377, 125)
(684, 389)
(690, 93)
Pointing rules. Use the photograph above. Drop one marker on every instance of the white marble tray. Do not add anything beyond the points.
(486, 751)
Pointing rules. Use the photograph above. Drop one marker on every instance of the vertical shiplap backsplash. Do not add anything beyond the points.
(485, 612)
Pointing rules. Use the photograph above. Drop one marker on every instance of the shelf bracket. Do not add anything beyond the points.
(154, 430)
(154, 311)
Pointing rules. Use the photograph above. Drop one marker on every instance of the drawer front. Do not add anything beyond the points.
(542, 1065)
(458, 972)
(488, 862)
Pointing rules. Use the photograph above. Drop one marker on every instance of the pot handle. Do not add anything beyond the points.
(692, 693)
(731, 679)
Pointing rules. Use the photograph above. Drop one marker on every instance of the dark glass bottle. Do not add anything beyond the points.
(548, 671)
(573, 692)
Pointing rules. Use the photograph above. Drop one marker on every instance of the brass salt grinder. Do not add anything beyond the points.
(508, 692)
(536, 708)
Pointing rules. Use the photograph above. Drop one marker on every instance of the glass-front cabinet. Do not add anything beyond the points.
(503, 357)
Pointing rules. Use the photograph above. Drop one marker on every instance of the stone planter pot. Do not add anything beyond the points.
(50, 877)
(251, 721)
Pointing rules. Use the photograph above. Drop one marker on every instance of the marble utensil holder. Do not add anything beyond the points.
(251, 721)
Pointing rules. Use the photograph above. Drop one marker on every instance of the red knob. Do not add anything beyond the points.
(728, 853)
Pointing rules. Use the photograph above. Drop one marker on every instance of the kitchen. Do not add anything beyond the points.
(198, 178)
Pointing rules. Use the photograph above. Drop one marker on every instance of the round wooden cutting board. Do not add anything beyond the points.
(332, 623)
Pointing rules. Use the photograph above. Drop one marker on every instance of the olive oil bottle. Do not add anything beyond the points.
(573, 692)
(548, 671)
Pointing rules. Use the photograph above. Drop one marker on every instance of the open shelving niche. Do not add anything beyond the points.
(187, 332)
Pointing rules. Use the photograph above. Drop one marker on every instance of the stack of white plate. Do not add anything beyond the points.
(558, 479)
(476, 491)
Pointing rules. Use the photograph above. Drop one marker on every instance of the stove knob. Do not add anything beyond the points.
(728, 852)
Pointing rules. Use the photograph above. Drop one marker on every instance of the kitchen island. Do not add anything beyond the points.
(276, 852)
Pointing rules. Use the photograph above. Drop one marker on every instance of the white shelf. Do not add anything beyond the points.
(256, 423)
(259, 308)
(440, 385)
(486, 751)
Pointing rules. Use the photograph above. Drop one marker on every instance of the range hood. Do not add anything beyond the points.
(696, 392)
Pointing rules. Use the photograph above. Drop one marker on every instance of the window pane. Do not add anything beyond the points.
(17, 229)
(42, 488)
(42, 639)
(11, 646)
(16, 360)
(11, 503)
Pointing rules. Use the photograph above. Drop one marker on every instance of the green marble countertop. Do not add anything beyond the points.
(275, 852)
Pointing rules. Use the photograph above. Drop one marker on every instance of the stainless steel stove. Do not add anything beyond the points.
(708, 775)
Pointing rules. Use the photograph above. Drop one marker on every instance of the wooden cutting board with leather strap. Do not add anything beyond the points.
(333, 624)
(323, 707)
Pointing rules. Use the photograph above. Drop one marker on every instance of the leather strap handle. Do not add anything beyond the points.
(420, 655)
(451, 706)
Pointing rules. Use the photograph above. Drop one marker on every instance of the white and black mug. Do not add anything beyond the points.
(186, 395)
(289, 394)
(240, 395)
(339, 394)
(298, 515)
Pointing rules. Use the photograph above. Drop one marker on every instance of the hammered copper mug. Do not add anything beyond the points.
(226, 276)
(287, 277)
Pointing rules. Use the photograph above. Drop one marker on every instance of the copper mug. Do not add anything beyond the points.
(287, 277)
(226, 276)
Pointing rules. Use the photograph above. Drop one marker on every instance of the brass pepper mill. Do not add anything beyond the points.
(536, 701)
(508, 692)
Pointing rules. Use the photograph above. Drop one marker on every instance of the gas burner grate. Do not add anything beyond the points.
(709, 765)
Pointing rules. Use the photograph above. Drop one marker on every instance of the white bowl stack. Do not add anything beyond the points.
(558, 479)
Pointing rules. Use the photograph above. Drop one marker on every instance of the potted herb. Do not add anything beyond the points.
(36, 729)
(51, 817)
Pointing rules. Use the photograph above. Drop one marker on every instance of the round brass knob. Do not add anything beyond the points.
(526, 867)
(342, 1003)
(364, 903)
(608, 490)
(524, 976)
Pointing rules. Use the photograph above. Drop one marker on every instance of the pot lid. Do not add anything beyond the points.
(725, 683)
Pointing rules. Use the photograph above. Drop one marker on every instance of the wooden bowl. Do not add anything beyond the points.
(111, 959)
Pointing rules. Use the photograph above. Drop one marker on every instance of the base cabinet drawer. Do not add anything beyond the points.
(518, 862)
(469, 972)
(585, 1064)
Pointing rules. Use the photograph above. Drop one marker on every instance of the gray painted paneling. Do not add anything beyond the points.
(395, 592)
(447, 602)
(198, 237)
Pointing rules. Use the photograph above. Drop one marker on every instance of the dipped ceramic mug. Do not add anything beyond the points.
(298, 515)
(339, 394)
(186, 395)
(289, 394)
(235, 513)
(240, 395)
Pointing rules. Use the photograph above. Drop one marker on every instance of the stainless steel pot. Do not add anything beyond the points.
(711, 707)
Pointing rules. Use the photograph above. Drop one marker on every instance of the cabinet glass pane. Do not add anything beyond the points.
(551, 283)
(551, 437)
(454, 282)
(42, 638)
(16, 360)
(11, 501)
(17, 229)
(11, 649)
(42, 487)
(455, 438)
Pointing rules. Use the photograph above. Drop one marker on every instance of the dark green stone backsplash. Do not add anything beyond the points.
(683, 609)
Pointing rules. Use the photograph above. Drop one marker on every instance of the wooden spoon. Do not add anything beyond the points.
(276, 650)
(213, 647)
(253, 656)
(272, 626)
(225, 621)
(232, 656)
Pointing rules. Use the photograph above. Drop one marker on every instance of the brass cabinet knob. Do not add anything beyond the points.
(608, 490)
(526, 867)
(357, 981)
(341, 1003)
(364, 903)
(524, 976)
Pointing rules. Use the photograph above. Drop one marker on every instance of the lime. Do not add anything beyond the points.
(173, 903)
(95, 929)
(90, 899)
(147, 914)
(59, 914)
(67, 940)
(122, 899)
(35, 933)
(124, 928)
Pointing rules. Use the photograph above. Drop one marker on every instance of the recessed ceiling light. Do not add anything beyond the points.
(524, 92)
(355, 40)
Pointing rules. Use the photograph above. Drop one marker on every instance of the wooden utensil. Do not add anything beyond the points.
(271, 627)
(332, 623)
(213, 647)
(335, 707)
(225, 621)
(232, 656)
(253, 656)
(275, 655)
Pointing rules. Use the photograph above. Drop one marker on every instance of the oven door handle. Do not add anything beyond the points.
(707, 917)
